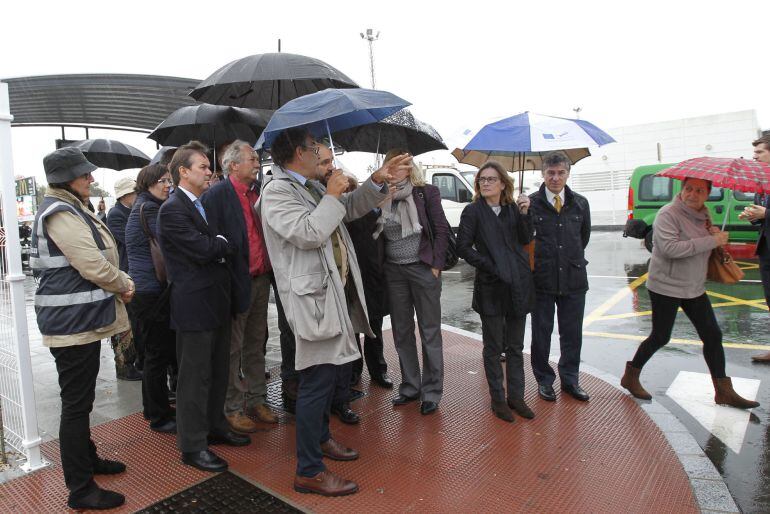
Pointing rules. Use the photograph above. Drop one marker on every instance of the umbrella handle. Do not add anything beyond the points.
(331, 143)
(727, 212)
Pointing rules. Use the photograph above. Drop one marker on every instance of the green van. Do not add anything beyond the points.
(647, 193)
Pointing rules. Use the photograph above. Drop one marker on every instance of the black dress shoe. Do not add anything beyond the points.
(428, 408)
(204, 460)
(382, 380)
(98, 499)
(346, 414)
(576, 392)
(229, 438)
(108, 467)
(164, 427)
(402, 399)
(546, 392)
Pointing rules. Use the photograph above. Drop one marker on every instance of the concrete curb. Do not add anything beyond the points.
(707, 484)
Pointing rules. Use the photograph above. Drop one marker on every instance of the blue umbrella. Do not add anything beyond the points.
(331, 110)
(519, 142)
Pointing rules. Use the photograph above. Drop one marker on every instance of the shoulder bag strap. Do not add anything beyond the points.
(143, 222)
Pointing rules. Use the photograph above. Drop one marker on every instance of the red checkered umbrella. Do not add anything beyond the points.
(736, 174)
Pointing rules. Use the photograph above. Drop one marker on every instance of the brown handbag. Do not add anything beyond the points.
(157, 256)
(722, 267)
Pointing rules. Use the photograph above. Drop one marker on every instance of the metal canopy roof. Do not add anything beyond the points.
(138, 102)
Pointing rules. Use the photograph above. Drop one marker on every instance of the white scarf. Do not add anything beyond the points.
(405, 212)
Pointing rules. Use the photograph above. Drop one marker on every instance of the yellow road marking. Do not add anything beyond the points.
(692, 342)
(613, 300)
(739, 301)
(747, 265)
(648, 313)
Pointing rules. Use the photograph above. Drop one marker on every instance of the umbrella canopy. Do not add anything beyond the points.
(267, 81)
(211, 124)
(736, 174)
(515, 161)
(399, 130)
(524, 138)
(333, 110)
(108, 153)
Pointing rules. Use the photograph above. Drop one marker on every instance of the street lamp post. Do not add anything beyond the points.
(371, 37)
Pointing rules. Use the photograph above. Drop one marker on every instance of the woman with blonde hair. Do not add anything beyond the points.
(491, 237)
(416, 236)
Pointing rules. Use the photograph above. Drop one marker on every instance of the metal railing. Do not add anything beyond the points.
(17, 395)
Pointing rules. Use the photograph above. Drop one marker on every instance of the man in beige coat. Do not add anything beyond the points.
(319, 283)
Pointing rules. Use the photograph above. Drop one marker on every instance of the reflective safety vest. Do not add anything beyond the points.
(65, 302)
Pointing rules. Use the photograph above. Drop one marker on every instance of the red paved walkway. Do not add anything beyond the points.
(603, 456)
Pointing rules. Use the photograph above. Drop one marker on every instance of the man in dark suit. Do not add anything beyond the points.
(758, 215)
(200, 311)
(229, 205)
(562, 221)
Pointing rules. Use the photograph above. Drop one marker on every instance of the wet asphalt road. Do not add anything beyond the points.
(615, 263)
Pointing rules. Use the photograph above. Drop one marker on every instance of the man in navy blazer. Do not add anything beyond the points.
(758, 215)
(229, 205)
(200, 311)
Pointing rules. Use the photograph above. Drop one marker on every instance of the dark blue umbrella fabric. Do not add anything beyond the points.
(331, 110)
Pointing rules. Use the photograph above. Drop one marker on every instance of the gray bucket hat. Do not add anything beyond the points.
(66, 164)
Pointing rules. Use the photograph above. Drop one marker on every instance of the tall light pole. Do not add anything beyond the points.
(371, 37)
(577, 112)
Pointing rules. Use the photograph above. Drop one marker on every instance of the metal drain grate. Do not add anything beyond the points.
(275, 400)
(224, 492)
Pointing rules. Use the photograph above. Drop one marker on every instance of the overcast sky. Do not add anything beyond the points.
(460, 63)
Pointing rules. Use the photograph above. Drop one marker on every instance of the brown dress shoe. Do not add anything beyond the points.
(263, 413)
(240, 423)
(726, 395)
(765, 357)
(324, 483)
(631, 382)
(337, 451)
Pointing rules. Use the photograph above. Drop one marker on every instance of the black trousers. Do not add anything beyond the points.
(373, 351)
(288, 344)
(504, 334)
(342, 384)
(764, 271)
(77, 367)
(700, 313)
(569, 310)
(204, 367)
(151, 312)
(314, 401)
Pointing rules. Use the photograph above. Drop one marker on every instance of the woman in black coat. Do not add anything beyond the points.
(492, 232)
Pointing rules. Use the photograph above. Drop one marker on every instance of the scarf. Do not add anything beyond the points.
(405, 212)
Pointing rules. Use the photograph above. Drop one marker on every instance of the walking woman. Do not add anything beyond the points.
(683, 239)
(151, 304)
(416, 238)
(493, 230)
(79, 301)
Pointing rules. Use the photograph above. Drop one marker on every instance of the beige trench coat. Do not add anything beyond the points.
(297, 233)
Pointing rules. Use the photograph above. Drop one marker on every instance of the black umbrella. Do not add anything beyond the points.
(108, 153)
(160, 153)
(267, 81)
(211, 124)
(399, 130)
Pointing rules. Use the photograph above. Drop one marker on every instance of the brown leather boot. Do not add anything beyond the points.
(726, 395)
(763, 357)
(631, 382)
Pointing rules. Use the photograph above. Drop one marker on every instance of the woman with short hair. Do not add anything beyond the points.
(151, 304)
(491, 237)
(683, 239)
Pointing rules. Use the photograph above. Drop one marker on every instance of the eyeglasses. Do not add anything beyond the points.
(165, 181)
(314, 147)
(488, 180)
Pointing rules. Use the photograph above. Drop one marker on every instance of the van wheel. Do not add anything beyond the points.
(648, 241)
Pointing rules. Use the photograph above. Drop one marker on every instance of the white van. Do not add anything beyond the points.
(456, 189)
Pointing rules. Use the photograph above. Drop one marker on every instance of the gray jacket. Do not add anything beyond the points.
(680, 252)
(297, 235)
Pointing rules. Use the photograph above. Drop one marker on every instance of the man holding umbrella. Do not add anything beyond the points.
(320, 286)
